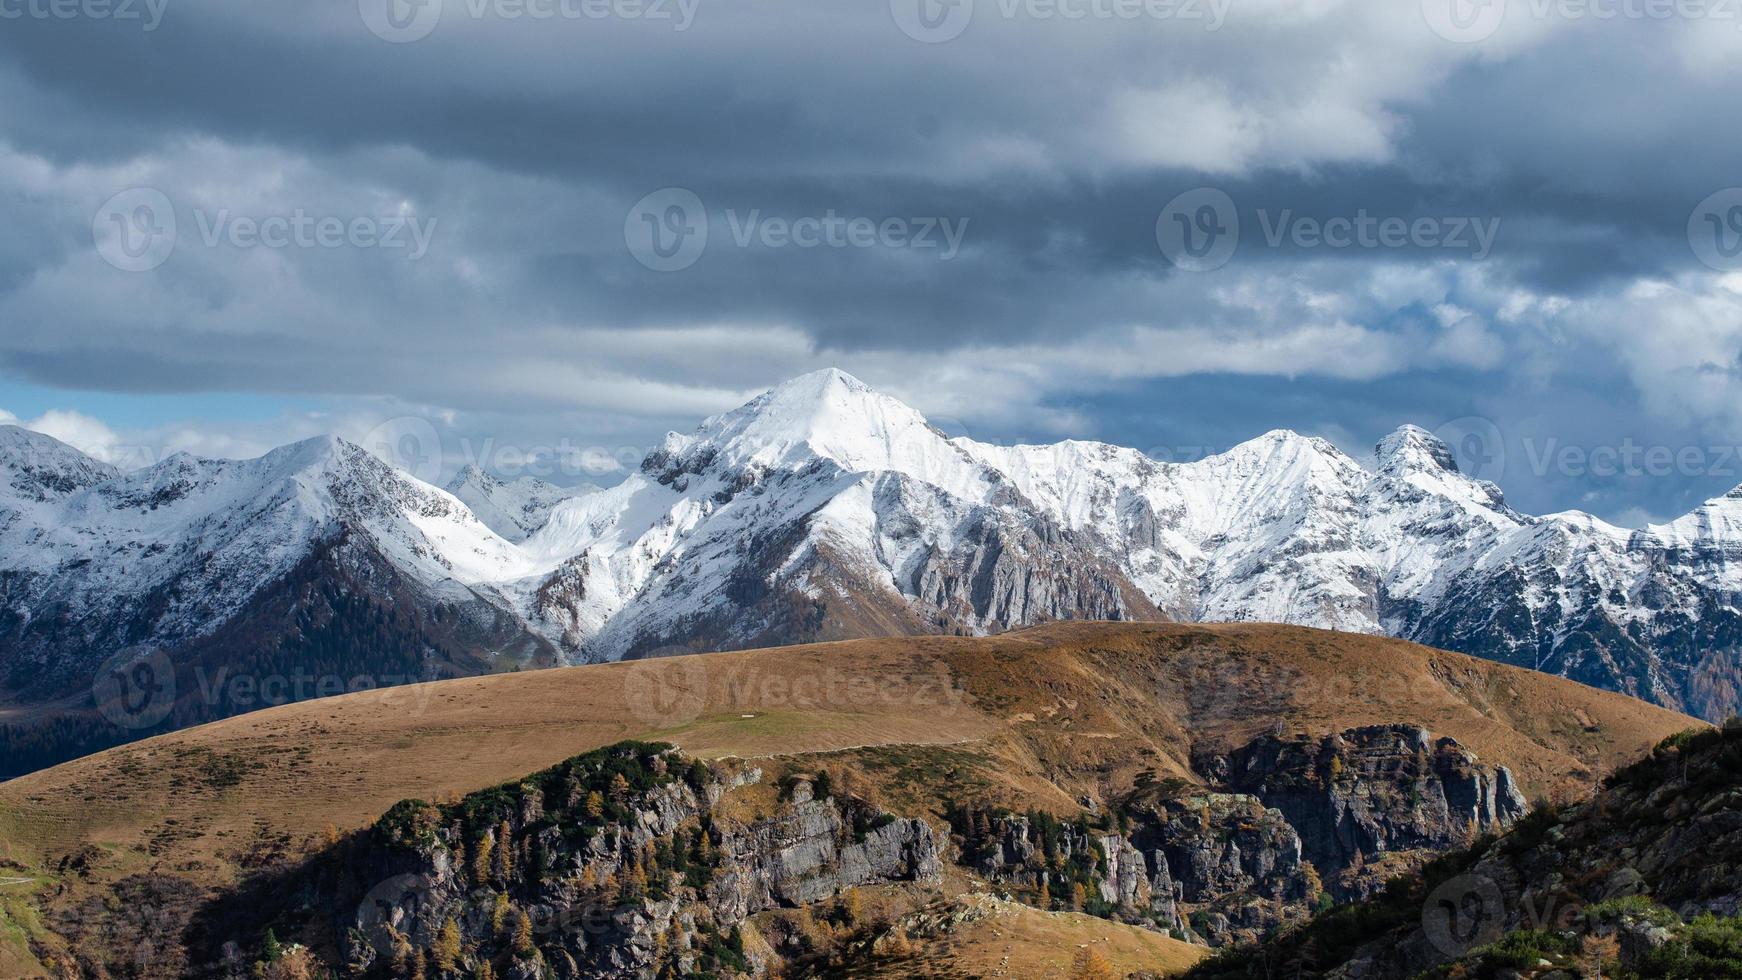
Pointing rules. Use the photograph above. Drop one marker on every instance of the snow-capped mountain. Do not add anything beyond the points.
(316, 559)
(824, 509)
(512, 508)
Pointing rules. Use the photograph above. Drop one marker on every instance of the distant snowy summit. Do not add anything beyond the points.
(512, 508)
(824, 509)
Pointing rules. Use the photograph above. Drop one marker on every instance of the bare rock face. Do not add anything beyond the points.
(1647, 870)
(1301, 818)
(1368, 792)
(1003, 573)
(1234, 866)
(617, 863)
(1217, 866)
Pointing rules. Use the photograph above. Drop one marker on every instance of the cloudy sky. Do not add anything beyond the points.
(566, 226)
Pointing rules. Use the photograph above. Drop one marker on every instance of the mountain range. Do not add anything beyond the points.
(820, 510)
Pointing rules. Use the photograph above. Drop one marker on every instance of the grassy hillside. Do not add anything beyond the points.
(1038, 718)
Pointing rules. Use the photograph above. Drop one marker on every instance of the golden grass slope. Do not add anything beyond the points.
(1036, 717)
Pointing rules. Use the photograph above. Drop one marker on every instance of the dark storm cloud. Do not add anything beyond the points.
(1051, 146)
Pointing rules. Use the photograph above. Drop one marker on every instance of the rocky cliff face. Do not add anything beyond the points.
(1643, 880)
(1373, 791)
(626, 862)
(1303, 817)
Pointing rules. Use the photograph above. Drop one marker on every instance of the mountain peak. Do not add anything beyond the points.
(17, 437)
(472, 475)
(827, 413)
(40, 467)
(1413, 449)
(823, 379)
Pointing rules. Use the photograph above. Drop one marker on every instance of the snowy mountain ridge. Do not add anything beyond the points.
(824, 509)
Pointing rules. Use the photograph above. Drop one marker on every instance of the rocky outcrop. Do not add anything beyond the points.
(1367, 792)
(1002, 573)
(1646, 876)
(1216, 866)
(1234, 866)
(1301, 819)
(624, 862)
